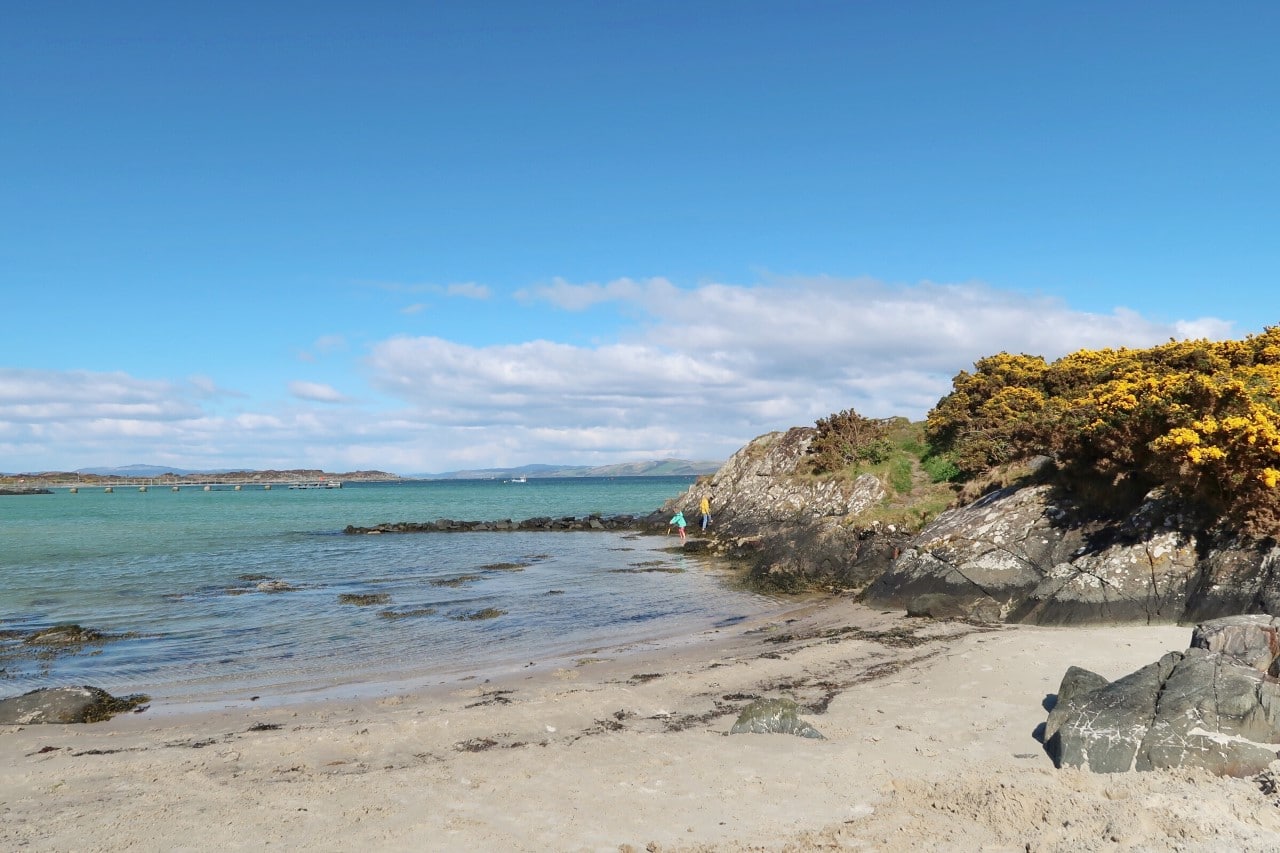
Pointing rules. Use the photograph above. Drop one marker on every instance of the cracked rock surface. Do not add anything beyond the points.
(1205, 708)
(1023, 555)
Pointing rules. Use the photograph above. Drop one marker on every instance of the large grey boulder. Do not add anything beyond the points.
(65, 705)
(1199, 708)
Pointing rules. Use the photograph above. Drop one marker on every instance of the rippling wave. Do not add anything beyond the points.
(227, 594)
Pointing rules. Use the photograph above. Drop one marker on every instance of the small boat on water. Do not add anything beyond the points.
(518, 480)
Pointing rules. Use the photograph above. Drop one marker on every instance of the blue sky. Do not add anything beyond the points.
(429, 236)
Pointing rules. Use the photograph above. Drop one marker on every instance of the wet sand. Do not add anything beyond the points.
(929, 745)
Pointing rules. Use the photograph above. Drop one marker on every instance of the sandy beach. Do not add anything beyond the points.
(929, 744)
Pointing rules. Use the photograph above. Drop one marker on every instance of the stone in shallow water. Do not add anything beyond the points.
(65, 705)
(65, 635)
(769, 716)
(363, 599)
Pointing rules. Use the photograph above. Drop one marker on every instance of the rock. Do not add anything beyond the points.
(936, 605)
(66, 635)
(275, 586)
(757, 489)
(766, 716)
(363, 599)
(449, 525)
(65, 705)
(1251, 640)
(1099, 724)
(1036, 558)
(796, 532)
(480, 615)
(1027, 553)
(1213, 706)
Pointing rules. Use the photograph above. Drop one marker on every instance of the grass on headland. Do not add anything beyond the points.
(918, 486)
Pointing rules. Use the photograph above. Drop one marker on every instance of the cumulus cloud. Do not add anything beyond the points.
(692, 372)
(316, 391)
(37, 396)
(463, 289)
(468, 290)
(579, 297)
(65, 420)
(711, 366)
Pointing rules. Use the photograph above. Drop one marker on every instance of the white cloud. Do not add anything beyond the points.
(316, 391)
(468, 290)
(578, 297)
(696, 373)
(330, 343)
(712, 366)
(30, 396)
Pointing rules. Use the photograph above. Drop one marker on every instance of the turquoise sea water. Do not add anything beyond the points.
(177, 573)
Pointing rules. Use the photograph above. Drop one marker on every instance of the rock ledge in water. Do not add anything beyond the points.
(66, 705)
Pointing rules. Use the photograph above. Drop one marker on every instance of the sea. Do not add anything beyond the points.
(208, 597)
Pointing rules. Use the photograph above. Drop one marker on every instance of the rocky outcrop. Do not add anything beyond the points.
(760, 486)
(1026, 555)
(1029, 553)
(1214, 706)
(65, 705)
(795, 530)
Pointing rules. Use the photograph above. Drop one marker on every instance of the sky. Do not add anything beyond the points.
(429, 236)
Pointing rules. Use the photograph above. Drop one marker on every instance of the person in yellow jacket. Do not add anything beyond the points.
(705, 509)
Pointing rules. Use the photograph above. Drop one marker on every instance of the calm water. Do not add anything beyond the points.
(179, 573)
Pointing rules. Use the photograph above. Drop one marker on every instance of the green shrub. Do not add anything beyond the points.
(846, 438)
(940, 469)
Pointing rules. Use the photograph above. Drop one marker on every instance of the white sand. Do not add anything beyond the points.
(929, 747)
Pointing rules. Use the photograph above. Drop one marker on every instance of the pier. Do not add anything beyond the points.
(172, 485)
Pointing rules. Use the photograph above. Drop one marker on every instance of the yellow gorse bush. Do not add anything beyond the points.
(1201, 418)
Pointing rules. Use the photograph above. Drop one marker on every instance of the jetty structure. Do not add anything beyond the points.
(144, 485)
(210, 481)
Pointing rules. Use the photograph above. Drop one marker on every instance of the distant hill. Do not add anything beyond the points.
(656, 468)
(653, 468)
(158, 472)
(142, 471)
